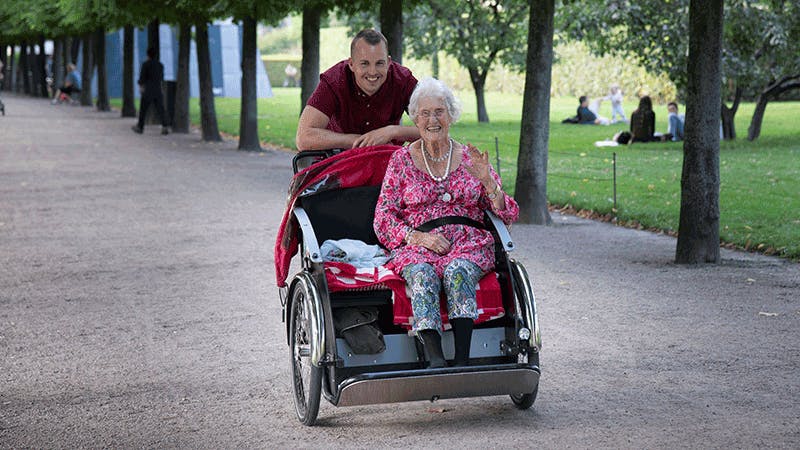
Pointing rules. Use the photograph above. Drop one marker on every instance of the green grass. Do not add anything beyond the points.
(760, 181)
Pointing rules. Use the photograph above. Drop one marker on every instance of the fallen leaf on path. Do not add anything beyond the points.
(438, 410)
(767, 314)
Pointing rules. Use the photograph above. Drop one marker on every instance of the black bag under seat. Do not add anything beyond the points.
(358, 326)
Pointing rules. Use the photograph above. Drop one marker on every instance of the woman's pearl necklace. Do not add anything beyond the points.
(449, 157)
(439, 159)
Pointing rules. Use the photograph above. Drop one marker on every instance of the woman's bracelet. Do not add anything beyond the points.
(409, 232)
(495, 192)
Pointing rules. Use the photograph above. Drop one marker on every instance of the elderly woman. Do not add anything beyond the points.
(438, 178)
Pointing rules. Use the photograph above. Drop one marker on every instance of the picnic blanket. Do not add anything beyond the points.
(343, 277)
(356, 167)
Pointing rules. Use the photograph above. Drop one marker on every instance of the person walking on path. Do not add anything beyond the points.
(150, 78)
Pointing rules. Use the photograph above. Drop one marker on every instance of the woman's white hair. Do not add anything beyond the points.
(431, 87)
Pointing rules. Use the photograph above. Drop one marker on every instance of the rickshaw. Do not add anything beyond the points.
(335, 198)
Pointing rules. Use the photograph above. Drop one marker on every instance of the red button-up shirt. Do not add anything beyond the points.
(350, 110)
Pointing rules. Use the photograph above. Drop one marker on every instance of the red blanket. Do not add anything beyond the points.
(357, 167)
(343, 276)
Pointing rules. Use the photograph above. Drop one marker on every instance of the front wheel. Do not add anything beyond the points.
(306, 379)
(525, 401)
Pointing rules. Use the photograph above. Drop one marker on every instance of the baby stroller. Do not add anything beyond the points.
(335, 198)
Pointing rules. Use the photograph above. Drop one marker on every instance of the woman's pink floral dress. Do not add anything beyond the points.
(410, 197)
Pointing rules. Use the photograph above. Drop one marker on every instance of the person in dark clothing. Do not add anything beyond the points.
(585, 115)
(150, 78)
(643, 122)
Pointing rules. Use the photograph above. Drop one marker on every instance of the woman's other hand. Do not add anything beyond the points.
(434, 242)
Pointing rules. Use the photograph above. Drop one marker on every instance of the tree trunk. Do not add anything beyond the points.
(58, 63)
(435, 64)
(24, 68)
(87, 71)
(771, 92)
(248, 115)
(102, 79)
(34, 67)
(128, 94)
(208, 116)
(154, 38)
(728, 114)
(11, 70)
(391, 18)
(531, 187)
(478, 84)
(4, 62)
(698, 230)
(154, 42)
(41, 65)
(181, 121)
(74, 49)
(309, 67)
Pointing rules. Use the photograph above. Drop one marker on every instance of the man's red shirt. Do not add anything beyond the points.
(350, 110)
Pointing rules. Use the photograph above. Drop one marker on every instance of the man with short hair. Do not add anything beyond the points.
(150, 78)
(675, 122)
(360, 101)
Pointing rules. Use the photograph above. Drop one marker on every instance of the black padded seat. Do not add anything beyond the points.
(343, 213)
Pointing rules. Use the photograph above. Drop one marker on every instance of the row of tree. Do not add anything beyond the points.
(476, 32)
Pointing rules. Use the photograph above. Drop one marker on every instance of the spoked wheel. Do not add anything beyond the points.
(307, 379)
(525, 401)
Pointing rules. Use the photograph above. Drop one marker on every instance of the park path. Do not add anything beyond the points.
(138, 309)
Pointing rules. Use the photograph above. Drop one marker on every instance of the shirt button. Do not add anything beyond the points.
(367, 123)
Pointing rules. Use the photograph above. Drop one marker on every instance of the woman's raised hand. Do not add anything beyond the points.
(480, 166)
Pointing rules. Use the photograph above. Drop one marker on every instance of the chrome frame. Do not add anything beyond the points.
(313, 305)
(311, 249)
(502, 231)
(531, 316)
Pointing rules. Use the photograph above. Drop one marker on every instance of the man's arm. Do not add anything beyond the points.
(312, 134)
(387, 134)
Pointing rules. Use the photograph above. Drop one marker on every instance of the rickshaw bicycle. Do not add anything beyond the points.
(334, 198)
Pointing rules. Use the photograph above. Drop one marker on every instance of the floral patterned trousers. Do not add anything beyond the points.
(459, 279)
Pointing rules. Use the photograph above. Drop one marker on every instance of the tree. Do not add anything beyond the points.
(531, 187)
(128, 96)
(248, 116)
(475, 33)
(698, 231)
(180, 123)
(87, 69)
(102, 79)
(391, 18)
(309, 66)
(208, 114)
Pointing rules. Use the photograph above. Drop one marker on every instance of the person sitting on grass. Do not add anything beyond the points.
(586, 115)
(675, 130)
(643, 122)
(72, 85)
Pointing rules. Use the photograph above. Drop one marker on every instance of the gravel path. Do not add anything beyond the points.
(138, 309)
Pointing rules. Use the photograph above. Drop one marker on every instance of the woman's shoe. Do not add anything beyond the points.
(462, 338)
(432, 342)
